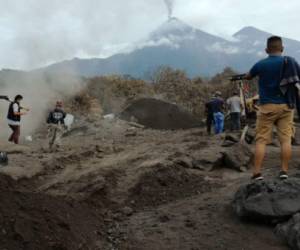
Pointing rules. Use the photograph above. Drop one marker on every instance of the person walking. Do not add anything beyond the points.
(214, 112)
(209, 115)
(234, 104)
(274, 109)
(14, 118)
(218, 112)
(217, 107)
(56, 125)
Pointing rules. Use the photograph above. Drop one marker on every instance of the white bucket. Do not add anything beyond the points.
(69, 120)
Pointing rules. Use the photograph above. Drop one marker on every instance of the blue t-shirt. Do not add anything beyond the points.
(269, 72)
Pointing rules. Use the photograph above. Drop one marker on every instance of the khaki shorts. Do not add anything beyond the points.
(279, 115)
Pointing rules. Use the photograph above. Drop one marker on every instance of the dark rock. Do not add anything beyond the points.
(128, 211)
(99, 149)
(237, 157)
(198, 164)
(232, 137)
(250, 135)
(76, 131)
(290, 232)
(227, 144)
(198, 146)
(185, 162)
(164, 218)
(268, 201)
(190, 224)
(131, 134)
(157, 114)
(209, 158)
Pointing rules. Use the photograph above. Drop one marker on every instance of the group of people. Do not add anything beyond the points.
(215, 112)
(279, 81)
(55, 121)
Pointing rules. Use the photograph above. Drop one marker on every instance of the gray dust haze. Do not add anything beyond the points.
(40, 92)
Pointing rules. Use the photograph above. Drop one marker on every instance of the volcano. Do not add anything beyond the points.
(181, 46)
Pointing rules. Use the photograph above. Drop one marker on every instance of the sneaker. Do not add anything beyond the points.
(257, 177)
(283, 175)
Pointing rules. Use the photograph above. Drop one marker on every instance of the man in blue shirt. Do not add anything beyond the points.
(273, 110)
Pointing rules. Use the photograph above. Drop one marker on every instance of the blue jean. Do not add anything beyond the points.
(219, 122)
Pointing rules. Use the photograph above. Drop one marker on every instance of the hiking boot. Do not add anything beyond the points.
(257, 177)
(283, 175)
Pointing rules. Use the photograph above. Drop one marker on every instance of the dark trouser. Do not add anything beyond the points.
(15, 134)
(235, 121)
(209, 123)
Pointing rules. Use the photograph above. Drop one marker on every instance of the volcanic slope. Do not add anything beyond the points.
(116, 186)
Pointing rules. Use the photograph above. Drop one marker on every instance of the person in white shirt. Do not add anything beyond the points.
(235, 107)
(14, 118)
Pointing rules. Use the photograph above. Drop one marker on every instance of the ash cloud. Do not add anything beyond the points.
(35, 33)
(170, 7)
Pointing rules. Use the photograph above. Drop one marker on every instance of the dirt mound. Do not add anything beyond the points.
(37, 221)
(157, 114)
(164, 184)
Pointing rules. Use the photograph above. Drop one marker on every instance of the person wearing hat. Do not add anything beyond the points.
(56, 125)
(209, 114)
(234, 104)
(218, 109)
(214, 111)
(14, 118)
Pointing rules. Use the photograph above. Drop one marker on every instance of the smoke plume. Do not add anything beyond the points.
(170, 6)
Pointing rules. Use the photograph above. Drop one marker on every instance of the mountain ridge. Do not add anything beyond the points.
(179, 45)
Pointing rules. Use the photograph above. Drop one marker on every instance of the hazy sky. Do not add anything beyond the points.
(37, 32)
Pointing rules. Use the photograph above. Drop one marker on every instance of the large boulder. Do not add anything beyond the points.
(238, 157)
(290, 232)
(157, 114)
(268, 201)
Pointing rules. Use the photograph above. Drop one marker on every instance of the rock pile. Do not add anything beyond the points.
(273, 202)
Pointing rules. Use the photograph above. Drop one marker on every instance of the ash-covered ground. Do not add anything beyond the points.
(114, 185)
